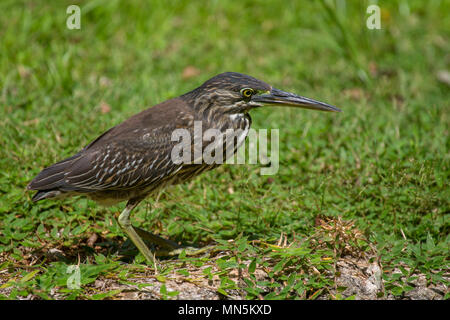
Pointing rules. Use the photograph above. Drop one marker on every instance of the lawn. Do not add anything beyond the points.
(368, 183)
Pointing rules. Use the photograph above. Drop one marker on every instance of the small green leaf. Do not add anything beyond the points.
(29, 276)
(104, 295)
(183, 272)
(252, 266)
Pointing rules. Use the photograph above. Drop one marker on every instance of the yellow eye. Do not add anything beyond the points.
(247, 92)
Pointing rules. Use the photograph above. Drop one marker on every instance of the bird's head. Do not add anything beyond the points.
(234, 92)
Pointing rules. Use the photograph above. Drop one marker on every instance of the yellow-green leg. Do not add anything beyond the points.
(125, 223)
(136, 235)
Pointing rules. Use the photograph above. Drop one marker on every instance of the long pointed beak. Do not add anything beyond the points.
(279, 97)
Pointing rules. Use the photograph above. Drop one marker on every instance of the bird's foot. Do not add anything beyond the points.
(154, 239)
(171, 248)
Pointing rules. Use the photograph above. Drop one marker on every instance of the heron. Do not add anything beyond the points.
(134, 159)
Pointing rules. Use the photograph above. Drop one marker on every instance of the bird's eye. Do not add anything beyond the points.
(247, 92)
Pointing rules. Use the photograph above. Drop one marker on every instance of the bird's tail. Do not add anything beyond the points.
(44, 194)
(49, 181)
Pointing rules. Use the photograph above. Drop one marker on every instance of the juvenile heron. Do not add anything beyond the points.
(134, 159)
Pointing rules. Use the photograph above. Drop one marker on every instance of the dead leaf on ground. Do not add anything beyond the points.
(190, 72)
(354, 93)
(24, 72)
(443, 76)
(104, 107)
(373, 68)
(104, 82)
(31, 122)
(92, 239)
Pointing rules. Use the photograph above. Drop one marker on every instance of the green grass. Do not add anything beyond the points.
(382, 163)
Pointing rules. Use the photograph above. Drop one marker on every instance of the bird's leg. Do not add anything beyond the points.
(136, 235)
(125, 223)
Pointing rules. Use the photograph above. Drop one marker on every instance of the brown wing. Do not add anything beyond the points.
(134, 153)
(121, 165)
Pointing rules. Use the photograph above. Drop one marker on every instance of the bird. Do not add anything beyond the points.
(134, 159)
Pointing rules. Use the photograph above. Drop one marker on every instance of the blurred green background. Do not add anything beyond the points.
(383, 161)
